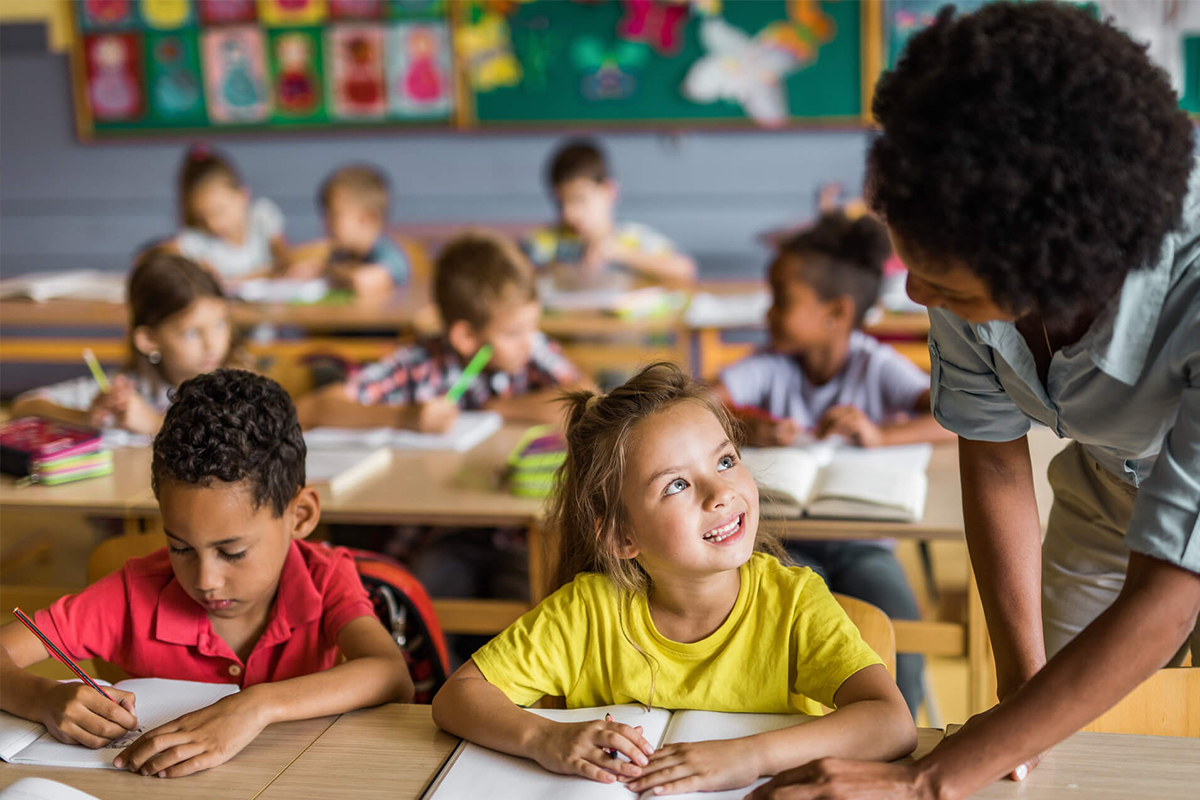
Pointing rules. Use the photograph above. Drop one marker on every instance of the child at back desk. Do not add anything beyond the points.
(587, 247)
(824, 376)
(178, 328)
(362, 256)
(665, 601)
(236, 597)
(223, 228)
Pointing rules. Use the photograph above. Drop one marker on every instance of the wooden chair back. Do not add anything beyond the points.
(1167, 704)
(874, 626)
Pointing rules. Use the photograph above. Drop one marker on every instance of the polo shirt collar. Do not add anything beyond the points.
(181, 620)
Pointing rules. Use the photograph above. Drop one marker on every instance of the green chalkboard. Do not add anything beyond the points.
(555, 62)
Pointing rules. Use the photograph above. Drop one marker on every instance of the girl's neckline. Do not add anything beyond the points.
(713, 640)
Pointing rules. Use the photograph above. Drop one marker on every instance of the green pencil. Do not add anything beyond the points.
(101, 380)
(474, 368)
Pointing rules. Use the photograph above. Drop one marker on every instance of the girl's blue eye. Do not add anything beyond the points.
(676, 486)
(725, 463)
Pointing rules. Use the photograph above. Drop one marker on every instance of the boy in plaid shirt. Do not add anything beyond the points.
(486, 293)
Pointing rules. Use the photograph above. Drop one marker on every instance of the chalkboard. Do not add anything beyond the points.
(663, 62)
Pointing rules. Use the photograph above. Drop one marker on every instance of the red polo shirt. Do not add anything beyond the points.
(141, 619)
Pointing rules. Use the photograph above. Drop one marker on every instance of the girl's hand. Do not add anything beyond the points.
(76, 713)
(109, 407)
(437, 416)
(138, 416)
(852, 423)
(579, 749)
(699, 767)
(197, 741)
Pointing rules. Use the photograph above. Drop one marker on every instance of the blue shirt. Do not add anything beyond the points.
(384, 252)
(1128, 391)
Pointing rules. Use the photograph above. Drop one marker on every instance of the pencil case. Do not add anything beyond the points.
(92, 465)
(534, 461)
(30, 446)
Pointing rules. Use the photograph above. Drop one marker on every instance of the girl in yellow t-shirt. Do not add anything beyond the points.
(665, 602)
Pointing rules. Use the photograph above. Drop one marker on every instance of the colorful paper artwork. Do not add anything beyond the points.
(658, 23)
(486, 47)
(226, 12)
(419, 70)
(235, 75)
(354, 54)
(355, 9)
(95, 14)
(608, 72)
(175, 85)
(296, 74)
(291, 12)
(166, 15)
(114, 77)
(416, 9)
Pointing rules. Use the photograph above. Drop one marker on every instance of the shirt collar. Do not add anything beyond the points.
(181, 620)
(1118, 341)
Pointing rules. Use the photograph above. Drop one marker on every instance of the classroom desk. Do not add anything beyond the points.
(400, 748)
(246, 776)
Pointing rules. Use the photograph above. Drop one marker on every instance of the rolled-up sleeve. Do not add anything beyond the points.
(1166, 516)
(967, 395)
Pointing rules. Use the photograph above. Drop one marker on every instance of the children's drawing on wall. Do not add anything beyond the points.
(486, 47)
(166, 15)
(751, 70)
(106, 13)
(420, 82)
(114, 77)
(354, 55)
(296, 82)
(292, 12)
(225, 12)
(235, 75)
(355, 9)
(658, 23)
(609, 70)
(176, 94)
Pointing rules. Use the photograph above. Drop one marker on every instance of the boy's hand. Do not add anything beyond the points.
(197, 741)
(852, 423)
(437, 416)
(763, 432)
(579, 749)
(699, 767)
(75, 713)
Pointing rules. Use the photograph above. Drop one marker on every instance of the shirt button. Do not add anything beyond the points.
(235, 670)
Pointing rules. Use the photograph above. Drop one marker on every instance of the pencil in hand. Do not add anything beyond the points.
(59, 654)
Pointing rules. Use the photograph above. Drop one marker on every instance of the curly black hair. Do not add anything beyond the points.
(232, 425)
(840, 256)
(1036, 144)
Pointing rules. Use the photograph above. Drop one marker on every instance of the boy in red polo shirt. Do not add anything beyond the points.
(236, 597)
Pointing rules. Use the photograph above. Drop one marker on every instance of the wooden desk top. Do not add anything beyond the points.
(1109, 766)
(391, 753)
(111, 494)
(251, 771)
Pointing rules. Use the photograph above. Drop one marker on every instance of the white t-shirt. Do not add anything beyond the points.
(263, 224)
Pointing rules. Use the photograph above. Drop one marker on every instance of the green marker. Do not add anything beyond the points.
(101, 380)
(473, 369)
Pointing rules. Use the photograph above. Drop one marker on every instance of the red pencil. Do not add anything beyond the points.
(59, 654)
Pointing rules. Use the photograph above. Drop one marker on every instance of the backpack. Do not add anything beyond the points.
(404, 608)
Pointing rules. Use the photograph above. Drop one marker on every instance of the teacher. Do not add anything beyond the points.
(1038, 180)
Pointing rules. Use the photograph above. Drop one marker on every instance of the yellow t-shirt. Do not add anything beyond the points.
(786, 647)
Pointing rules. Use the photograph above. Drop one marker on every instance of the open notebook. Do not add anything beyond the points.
(344, 469)
(831, 481)
(158, 702)
(473, 771)
(471, 428)
(42, 789)
(87, 284)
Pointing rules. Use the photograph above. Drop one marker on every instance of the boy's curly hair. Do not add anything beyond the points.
(1037, 145)
(233, 426)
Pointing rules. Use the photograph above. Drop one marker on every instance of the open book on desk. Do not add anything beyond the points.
(470, 429)
(86, 284)
(158, 702)
(842, 482)
(472, 771)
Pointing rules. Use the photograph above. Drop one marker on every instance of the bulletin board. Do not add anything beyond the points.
(142, 66)
(184, 65)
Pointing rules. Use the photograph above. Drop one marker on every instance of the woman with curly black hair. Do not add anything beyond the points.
(1038, 179)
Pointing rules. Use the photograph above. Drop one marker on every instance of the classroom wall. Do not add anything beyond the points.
(64, 204)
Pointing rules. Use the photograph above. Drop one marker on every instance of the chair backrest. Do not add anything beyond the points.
(1166, 704)
(109, 556)
(874, 626)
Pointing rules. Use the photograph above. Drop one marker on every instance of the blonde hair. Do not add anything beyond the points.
(586, 510)
(363, 184)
